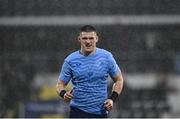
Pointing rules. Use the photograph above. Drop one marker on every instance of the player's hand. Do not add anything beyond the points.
(68, 96)
(108, 104)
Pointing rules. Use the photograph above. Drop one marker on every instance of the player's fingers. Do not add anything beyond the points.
(71, 91)
(68, 96)
(107, 104)
(109, 108)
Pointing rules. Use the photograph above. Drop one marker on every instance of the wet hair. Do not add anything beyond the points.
(87, 28)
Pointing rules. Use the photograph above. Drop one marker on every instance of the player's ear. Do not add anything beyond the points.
(97, 38)
(79, 39)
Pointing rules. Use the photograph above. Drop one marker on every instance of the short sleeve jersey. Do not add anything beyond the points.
(89, 76)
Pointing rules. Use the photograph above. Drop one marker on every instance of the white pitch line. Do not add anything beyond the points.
(99, 20)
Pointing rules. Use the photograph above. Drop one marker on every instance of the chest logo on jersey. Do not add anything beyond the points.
(76, 64)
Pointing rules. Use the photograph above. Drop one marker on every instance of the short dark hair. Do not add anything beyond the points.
(87, 28)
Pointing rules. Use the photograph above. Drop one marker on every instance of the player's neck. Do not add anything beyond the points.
(87, 53)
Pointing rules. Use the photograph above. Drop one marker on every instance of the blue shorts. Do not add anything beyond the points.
(77, 113)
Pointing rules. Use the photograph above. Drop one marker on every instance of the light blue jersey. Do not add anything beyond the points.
(89, 78)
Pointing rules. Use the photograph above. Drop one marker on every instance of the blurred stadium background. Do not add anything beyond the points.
(36, 36)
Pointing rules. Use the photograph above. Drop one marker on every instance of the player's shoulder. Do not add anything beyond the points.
(104, 52)
(72, 56)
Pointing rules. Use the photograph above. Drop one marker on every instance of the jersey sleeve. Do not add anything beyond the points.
(65, 74)
(113, 67)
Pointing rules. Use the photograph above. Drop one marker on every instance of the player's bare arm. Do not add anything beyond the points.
(118, 83)
(116, 90)
(60, 87)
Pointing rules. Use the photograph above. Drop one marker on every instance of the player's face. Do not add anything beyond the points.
(88, 41)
